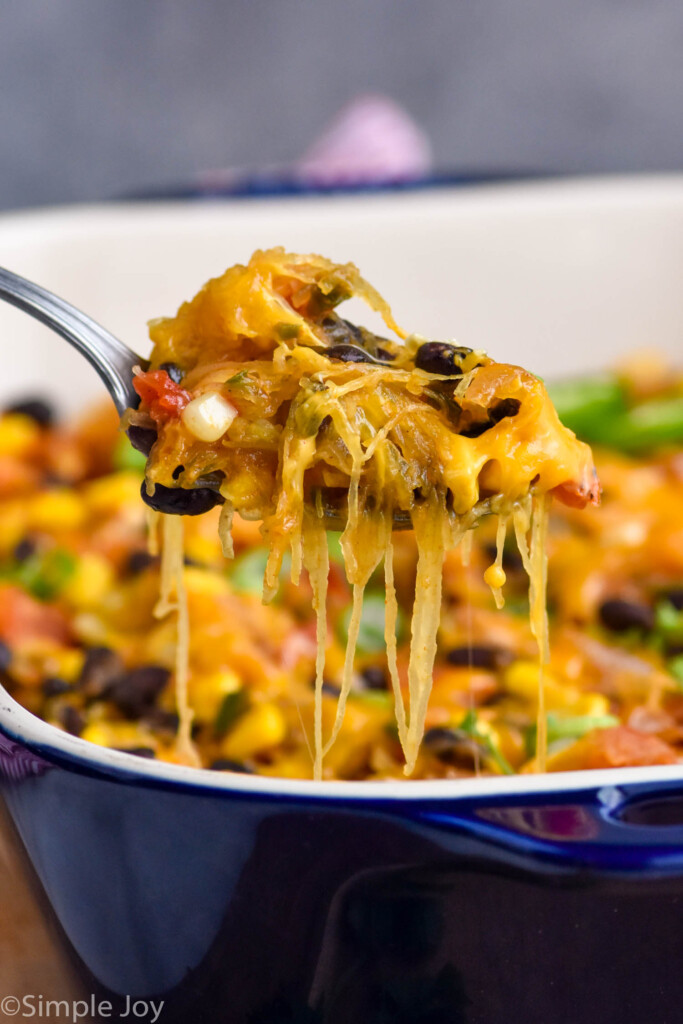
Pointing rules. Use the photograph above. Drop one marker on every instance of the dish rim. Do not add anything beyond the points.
(52, 744)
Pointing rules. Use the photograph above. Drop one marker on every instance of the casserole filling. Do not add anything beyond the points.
(261, 398)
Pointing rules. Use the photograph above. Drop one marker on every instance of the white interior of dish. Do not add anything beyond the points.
(561, 277)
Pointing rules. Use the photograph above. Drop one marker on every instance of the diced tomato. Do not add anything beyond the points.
(163, 398)
(24, 618)
(623, 747)
(578, 495)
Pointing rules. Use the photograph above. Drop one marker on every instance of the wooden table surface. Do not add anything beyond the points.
(30, 960)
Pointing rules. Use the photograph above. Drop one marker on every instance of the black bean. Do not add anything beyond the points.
(348, 354)
(476, 429)
(174, 372)
(24, 549)
(181, 501)
(222, 764)
(138, 561)
(373, 678)
(440, 357)
(147, 752)
(675, 597)
(512, 560)
(37, 409)
(506, 407)
(135, 692)
(619, 616)
(450, 745)
(100, 668)
(329, 689)
(160, 720)
(342, 332)
(384, 355)
(142, 438)
(5, 656)
(53, 686)
(72, 720)
(480, 656)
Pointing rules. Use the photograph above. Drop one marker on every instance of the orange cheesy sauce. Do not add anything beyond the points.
(261, 398)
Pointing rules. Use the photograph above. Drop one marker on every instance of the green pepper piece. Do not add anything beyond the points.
(45, 575)
(232, 707)
(127, 457)
(247, 571)
(587, 405)
(646, 426)
(371, 632)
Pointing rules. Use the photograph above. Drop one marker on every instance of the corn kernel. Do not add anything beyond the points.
(12, 525)
(495, 577)
(92, 579)
(205, 583)
(66, 663)
(18, 434)
(117, 734)
(521, 679)
(261, 727)
(56, 510)
(110, 493)
(207, 692)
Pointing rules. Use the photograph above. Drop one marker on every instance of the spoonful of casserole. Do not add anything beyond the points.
(260, 397)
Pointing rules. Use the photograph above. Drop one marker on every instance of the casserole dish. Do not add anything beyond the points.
(249, 899)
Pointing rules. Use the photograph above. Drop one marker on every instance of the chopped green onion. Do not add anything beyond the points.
(471, 728)
(371, 632)
(287, 331)
(127, 457)
(44, 574)
(334, 547)
(378, 698)
(247, 571)
(238, 379)
(675, 667)
(669, 622)
(568, 727)
(232, 707)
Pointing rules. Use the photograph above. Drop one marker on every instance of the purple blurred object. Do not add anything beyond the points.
(372, 139)
(372, 142)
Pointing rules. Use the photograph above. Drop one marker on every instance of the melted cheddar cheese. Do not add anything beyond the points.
(262, 398)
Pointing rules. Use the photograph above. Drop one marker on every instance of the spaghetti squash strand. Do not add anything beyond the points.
(317, 564)
(428, 521)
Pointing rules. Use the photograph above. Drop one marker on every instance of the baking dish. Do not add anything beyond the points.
(249, 899)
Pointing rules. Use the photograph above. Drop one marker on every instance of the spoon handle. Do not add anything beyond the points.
(113, 360)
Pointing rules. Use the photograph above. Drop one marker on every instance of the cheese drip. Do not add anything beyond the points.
(532, 515)
(173, 598)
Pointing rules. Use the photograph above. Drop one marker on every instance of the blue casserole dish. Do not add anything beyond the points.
(247, 900)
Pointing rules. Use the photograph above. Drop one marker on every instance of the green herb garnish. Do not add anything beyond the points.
(287, 331)
(44, 574)
(371, 632)
(238, 380)
(568, 727)
(247, 571)
(470, 727)
(675, 667)
(232, 707)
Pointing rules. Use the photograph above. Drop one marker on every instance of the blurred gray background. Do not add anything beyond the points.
(99, 99)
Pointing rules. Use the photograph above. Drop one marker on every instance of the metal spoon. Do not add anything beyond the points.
(113, 360)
